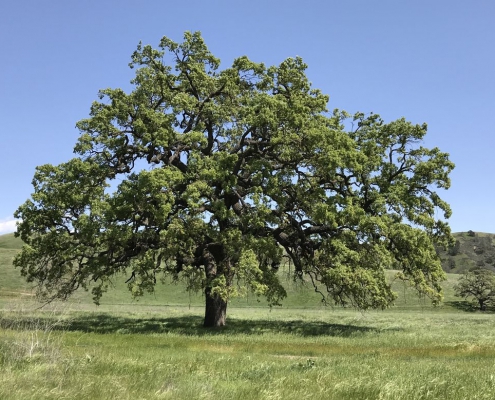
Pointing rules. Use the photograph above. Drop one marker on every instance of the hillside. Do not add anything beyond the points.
(11, 282)
(9, 241)
(471, 249)
(14, 286)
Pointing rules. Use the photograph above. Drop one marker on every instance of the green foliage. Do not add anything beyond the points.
(478, 285)
(215, 175)
(455, 249)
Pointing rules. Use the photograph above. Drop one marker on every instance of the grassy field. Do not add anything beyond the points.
(156, 348)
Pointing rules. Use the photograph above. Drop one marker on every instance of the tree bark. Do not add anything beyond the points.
(215, 310)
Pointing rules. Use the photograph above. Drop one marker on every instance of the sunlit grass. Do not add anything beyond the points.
(157, 348)
(318, 354)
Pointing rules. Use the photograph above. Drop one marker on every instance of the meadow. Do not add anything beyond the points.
(156, 348)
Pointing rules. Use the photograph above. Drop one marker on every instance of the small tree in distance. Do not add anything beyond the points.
(219, 174)
(479, 285)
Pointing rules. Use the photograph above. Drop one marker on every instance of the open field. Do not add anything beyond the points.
(156, 348)
(283, 354)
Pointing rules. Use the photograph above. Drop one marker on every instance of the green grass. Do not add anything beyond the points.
(317, 354)
(156, 348)
(9, 241)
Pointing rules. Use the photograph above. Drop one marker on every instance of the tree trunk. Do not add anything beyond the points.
(215, 310)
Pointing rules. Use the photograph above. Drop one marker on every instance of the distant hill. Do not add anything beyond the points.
(9, 241)
(471, 249)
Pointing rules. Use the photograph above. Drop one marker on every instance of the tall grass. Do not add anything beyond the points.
(28, 336)
(282, 354)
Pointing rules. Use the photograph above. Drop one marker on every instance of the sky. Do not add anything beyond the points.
(427, 61)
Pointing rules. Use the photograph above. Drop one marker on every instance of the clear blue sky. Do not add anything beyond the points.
(429, 61)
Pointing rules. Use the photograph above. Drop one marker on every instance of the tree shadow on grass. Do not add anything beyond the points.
(462, 305)
(192, 325)
(468, 306)
(187, 325)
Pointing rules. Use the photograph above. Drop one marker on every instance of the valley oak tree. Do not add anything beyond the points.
(217, 176)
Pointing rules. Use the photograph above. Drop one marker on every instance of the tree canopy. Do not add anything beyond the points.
(218, 175)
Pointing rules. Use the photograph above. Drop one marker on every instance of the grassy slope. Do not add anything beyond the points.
(9, 241)
(11, 283)
(13, 286)
(478, 250)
